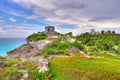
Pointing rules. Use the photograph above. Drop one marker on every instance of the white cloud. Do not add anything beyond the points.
(17, 33)
(12, 19)
(19, 30)
(14, 13)
(1, 21)
(1, 31)
(82, 13)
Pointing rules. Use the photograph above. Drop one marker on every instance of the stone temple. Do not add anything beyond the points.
(49, 30)
(93, 31)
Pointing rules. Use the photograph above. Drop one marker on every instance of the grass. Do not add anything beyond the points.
(10, 72)
(80, 68)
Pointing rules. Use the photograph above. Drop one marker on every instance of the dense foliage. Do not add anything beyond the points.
(35, 37)
(101, 42)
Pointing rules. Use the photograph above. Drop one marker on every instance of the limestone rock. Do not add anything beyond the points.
(26, 51)
(51, 57)
(43, 65)
(2, 64)
(73, 50)
(25, 74)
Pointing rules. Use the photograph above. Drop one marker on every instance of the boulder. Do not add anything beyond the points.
(24, 73)
(2, 64)
(51, 57)
(73, 50)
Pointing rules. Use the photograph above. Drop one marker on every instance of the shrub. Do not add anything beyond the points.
(92, 53)
(35, 37)
(51, 51)
(60, 45)
(78, 45)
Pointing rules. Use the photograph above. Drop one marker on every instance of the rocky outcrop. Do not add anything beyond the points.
(43, 65)
(24, 74)
(2, 64)
(28, 50)
(22, 52)
(73, 50)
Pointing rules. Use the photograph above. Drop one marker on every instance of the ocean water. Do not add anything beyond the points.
(7, 44)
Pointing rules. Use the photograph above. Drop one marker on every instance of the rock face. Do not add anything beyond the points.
(2, 64)
(73, 50)
(43, 65)
(38, 45)
(28, 50)
(24, 73)
(22, 52)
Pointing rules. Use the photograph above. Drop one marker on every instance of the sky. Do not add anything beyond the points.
(20, 18)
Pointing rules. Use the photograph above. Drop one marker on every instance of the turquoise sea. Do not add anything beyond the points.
(7, 44)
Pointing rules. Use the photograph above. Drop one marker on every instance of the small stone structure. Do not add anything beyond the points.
(49, 30)
(93, 31)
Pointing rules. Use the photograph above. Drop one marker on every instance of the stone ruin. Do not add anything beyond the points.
(93, 31)
(49, 30)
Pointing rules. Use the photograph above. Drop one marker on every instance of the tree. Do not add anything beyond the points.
(108, 31)
(69, 33)
(102, 31)
(113, 32)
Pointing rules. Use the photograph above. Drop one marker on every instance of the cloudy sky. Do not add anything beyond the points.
(19, 18)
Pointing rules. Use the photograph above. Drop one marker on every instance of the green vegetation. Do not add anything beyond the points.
(10, 72)
(49, 75)
(101, 42)
(78, 45)
(69, 34)
(80, 68)
(2, 58)
(57, 47)
(35, 37)
(100, 66)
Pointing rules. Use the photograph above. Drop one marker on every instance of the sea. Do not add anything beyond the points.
(8, 44)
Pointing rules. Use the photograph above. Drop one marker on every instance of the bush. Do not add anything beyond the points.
(103, 42)
(92, 53)
(35, 37)
(78, 45)
(51, 51)
(60, 45)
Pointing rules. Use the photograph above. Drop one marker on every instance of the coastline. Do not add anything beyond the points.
(8, 44)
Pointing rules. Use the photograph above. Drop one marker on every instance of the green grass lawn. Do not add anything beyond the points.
(80, 68)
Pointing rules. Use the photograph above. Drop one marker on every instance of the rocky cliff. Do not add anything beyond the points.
(28, 50)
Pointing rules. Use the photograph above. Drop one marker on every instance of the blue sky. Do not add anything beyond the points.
(20, 18)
